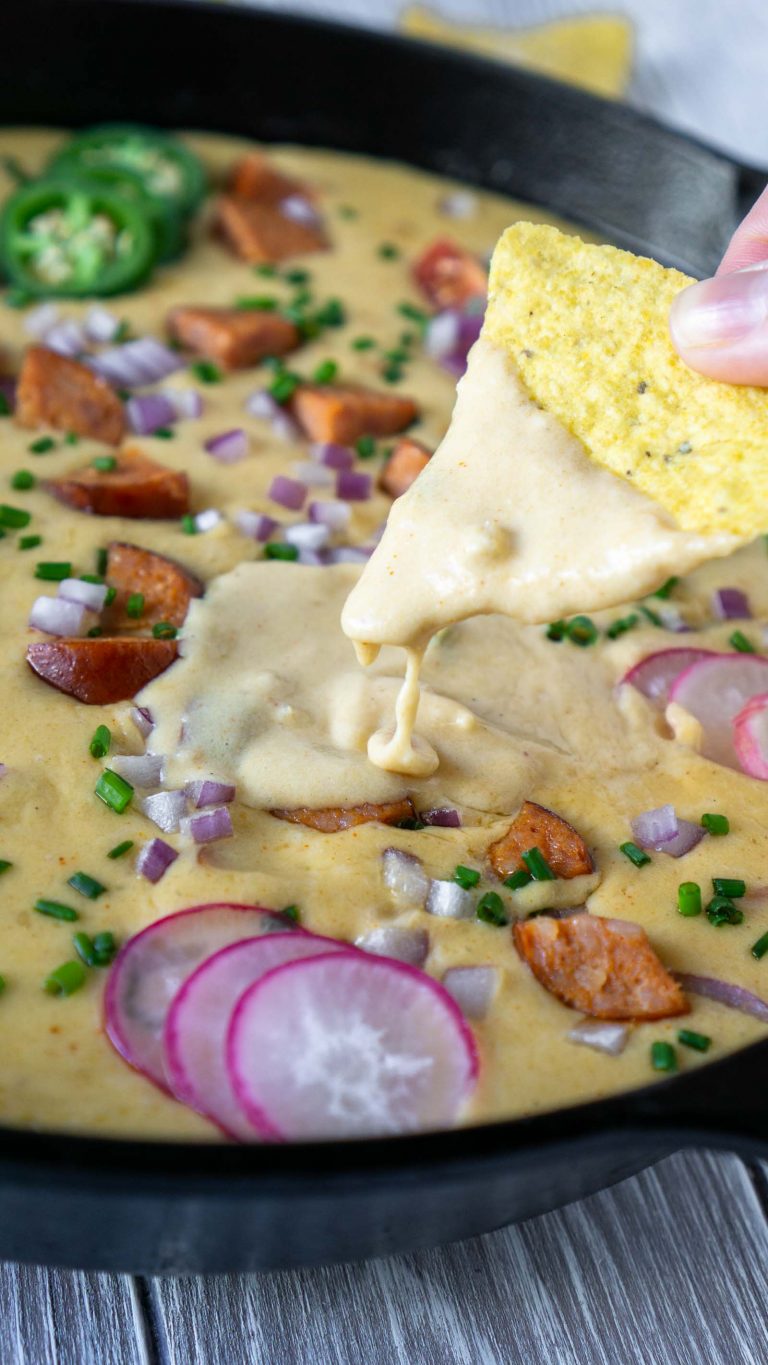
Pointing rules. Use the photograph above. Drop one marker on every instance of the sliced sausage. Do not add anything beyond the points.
(136, 487)
(167, 587)
(345, 412)
(253, 176)
(235, 337)
(102, 670)
(604, 967)
(54, 391)
(262, 232)
(403, 466)
(536, 827)
(449, 276)
(334, 818)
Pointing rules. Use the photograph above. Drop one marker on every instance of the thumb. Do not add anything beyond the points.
(720, 326)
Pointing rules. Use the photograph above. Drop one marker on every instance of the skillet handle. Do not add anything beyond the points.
(750, 185)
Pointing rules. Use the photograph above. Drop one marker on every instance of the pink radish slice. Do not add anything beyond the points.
(198, 1021)
(714, 691)
(347, 1045)
(750, 737)
(151, 966)
(654, 674)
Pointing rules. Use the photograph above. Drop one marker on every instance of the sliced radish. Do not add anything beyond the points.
(750, 737)
(151, 966)
(714, 691)
(198, 1021)
(654, 674)
(347, 1045)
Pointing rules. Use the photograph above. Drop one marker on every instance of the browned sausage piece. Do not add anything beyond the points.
(335, 818)
(263, 232)
(136, 487)
(449, 276)
(54, 391)
(235, 337)
(403, 466)
(167, 587)
(536, 827)
(345, 412)
(254, 177)
(101, 670)
(604, 967)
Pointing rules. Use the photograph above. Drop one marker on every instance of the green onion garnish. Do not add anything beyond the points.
(325, 372)
(518, 879)
(71, 439)
(362, 344)
(55, 910)
(413, 313)
(332, 314)
(30, 542)
(134, 607)
(163, 630)
(42, 445)
(291, 912)
(105, 463)
(388, 251)
(83, 945)
(581, 630)
(206, 372)
(22, 480)
(102, 559)
(188, 524)
(365, 447)
(760, 948)
(120, 849)
(266, 269)
(490, 909)
(275, 550)
(297, 276)
(14, 518)
(716, 824)
(258, 303)
(392, 374)
(284, 385)
(66, 979)
(621, 626)
(2, 984)
(4, 865)
(732, 887)
(739, 642)
(698, 1041)
(104, 947)
(538, 866)
(689, 899)
(666, 589)
(347, 211)
(92, 578)
(86, 885)
(53, 571)
(721, 911)
(410, 823)
(95, 632)
(467, 877)
(651, 615)
(114, 791)
(100, 742)
(663, 1057)
(556, 630)
(164, 434)
(5, 407)
(636, 855)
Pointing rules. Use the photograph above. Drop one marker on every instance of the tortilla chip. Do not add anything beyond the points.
(590, 50)
(588, 329)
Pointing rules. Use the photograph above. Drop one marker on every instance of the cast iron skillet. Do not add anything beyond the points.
(164, 1207)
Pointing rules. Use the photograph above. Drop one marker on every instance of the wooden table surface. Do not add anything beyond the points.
(669, 1268)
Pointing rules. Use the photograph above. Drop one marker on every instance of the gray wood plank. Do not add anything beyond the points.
(669, 1267)
(57, 1317)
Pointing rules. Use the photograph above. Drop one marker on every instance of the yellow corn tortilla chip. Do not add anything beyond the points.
(588, 329)
(590, 50)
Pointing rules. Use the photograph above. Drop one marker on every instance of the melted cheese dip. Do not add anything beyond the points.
(269, 694)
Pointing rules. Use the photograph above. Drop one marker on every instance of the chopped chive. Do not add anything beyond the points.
(651, 615)
(100, 742)
(4, 865)
(15, 518)
(297, 276)
(66, 979)
(689, 899)
(410, 823)
(102, 559)
(94, 632)
(332, 314)
(121, 849)
(105, 463)
(83, 945)
(365, 447)
(362, 344)
(22, 480)
(163, 630)
(284, 386)
(490, 909)
(206, 372)
(42, 445)
(325, 373)
(347, 211)
(760, 948)
(266, 269)
(53, 571)
(467, 877)
(413, 313)
(636, 855)
(55, 910)
(188, 524)
(105, 947)
(30, 542)
(518, 879)
(698, 1041)
(666, 589)
(663, 1057)
(716, 824)
(739, 642)
(291, 912)
(123, 331)
(5, 407)
(392, 374)
(164, 434)
(71, 439)
(114, 791)
(275, 550)
(538, 866)
(256, 303)
(2, 984)
(621, 626)
(721, 910)
(92, 578)
(110, 597)
(388, 251)
(134, 607)
(582, 631)
(86, 885)
(732, 887)
(556, 630)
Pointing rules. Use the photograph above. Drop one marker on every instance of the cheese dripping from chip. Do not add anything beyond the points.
(584, 465)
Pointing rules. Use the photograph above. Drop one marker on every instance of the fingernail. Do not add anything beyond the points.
(720, 311)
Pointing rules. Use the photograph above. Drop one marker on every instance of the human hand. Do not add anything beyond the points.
(720, 326)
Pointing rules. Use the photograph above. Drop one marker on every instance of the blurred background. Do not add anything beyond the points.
(701, 65)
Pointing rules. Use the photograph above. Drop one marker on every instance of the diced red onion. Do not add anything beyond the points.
(57, 616)
(141, 770)
(459, 204)
(154, 859)
(101, 326)
(185, 402)
(404, 876)
(687, 837)
(8, 390)
(333, 513)
(731, 604)
(148, 411)
(353, 486)
(229, 446)
(307, 536)
(90, 595)
(672, 618)
(655, 827)
(470, 325)
(142, 719)
(299, 210)
(209, 825)
(313, 475)
(262, 404)
(38, 321)
(736, 997)
(165, 809)
(3, 770)
(602, 1035)
(289, 493)
(396, 941)
(66, 338)
(449, 900)
(256, 525)
(332, 455)
(146, 361)
(441, 336)
(313, 559)
(207, 520)
(349, 554)
(444, 816)
(207, 792)
(473, 989)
